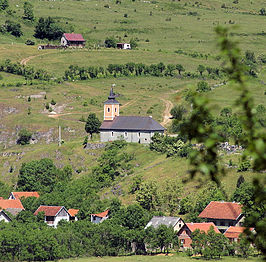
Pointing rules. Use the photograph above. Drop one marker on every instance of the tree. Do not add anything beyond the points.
(203, 86)
(37, 175)
(133, 43)
(93, 124)
(166, 237)
(240, 181)
(3, 4)
(110, 42)
(48, 28)
(180, 68)
(28, 11)
(148, 196)
(201, 69)
(178, 112)
(13, 28)
(24, 137)
(262, 11)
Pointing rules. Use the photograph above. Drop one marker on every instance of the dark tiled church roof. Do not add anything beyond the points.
(132, 123)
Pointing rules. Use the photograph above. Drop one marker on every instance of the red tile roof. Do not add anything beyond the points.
(103, 214)
(73, 212)
(221, 210)
(25, 194)
(10, 203)
(202, 227)
(73, 37)
(234, 232)
(48, 210)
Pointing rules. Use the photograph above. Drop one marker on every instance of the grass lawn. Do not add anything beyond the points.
(156, 258)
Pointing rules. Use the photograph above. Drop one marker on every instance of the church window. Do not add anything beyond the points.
(139, 134)
(112, 134)
(108, 109)
(115, 109)
(125, 133)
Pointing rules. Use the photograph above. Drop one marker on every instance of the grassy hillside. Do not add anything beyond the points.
(162, 28)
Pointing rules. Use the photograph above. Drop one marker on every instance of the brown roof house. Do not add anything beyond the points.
(99, 218)
(176, 222)
(53, 214)
(223, 214)
(73, 214)
(138, 129)
(19, 195)
(13, 206)
(185, 233)
(233, 233)
(72, 39)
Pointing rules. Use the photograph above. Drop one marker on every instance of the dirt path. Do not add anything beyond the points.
(166, 113)
(24, 61)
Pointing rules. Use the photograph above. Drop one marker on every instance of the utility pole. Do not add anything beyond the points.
(59, 136)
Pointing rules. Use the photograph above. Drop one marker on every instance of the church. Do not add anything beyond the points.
(138, 129)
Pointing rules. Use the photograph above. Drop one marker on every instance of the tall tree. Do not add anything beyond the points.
(28, 11)
(92, 124)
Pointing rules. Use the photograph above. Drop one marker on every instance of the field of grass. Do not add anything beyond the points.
(156, 258)
(161, 27)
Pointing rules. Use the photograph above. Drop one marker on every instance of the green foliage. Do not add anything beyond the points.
(28, 11)
(85, 142)
(92, 124)
(4, 190)
(133, 43)
(110, 42)
(13, 28)
(24, 137)
(201, 69)
(4, 4)
(210, 245)
(262, 11)
(244, 166)
(136, 184)
(172, 146)
(178, 112)
(37, 175)
(29, 42)
(148, 196)
(48, 28)
(203, 86)
(180, 68)
(53, 102)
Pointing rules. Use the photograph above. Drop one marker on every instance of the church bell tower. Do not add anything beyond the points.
(111, 107)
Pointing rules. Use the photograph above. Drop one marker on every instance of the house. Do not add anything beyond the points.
(123, 46)
(99, 218)
(233, 233)
(223, 214)
(72, 39)
(53, 214)
(185, 233)
(73, 212)
(13, 206)
(19, 195)
(176, 222)
(4, 216)
(138, 129)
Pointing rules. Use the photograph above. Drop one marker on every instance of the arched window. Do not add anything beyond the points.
(108, 109)
(115, 109)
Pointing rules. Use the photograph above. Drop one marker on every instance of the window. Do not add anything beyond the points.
(112, 134)
(139, 134)
(126, 134)
(115, 109)
(108, 109)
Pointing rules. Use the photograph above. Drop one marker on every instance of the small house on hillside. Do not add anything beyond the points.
(72, 39)
(13, 206)
(176, 222)
(223, 214)
(233, 233)
(73, 214)
(4, 216)
(19, 195)
(53, 214)
(185, 233)
(123, 46)
(99, 218)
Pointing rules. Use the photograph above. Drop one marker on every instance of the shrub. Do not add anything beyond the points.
(244, 166)
(24, 137)
(13, 28)
(53, 102)
(29, 42)
(203, 86)
(110, 42)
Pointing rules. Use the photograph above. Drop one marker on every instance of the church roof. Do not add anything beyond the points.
(132, 123)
